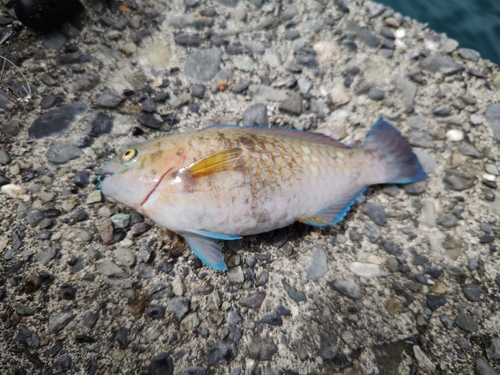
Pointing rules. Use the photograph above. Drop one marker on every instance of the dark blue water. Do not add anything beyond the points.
(473, 23)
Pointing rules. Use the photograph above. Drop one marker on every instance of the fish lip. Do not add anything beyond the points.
(99, 179)
(156, 186)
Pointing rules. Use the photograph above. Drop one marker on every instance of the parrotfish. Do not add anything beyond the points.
(225, 181)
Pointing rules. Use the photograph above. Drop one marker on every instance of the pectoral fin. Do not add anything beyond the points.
(335, 212)
(207, 249)
(219, 162)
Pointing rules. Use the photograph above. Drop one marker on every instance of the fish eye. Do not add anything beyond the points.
(129, 154)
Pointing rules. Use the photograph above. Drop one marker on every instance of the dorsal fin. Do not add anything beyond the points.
(279, 132)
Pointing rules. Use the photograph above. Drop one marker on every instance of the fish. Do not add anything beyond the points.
(228, 181)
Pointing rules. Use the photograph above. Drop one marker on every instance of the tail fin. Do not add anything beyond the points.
(401, 163)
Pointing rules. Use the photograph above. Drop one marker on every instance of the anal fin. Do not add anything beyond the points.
(216, 236)
(336, 211)
(207, 249)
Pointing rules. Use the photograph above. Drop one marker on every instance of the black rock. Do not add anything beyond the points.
(241, 86)
(435, 301)
(466, 322)
(162, 364)
(56, 348)
(73, 58)
(48, 101)
(43, 15)
(56, 121)
(82, 179)
(327, 347)
(233, 318)
(90, 319)
(375, 212)
(121, 337)
(156, 311)
(148, 105)
(262, 348)
(472, 292)
(390, 247)
(221, 353)
(272, 320)
(179, 307)
(28, 337)
(79, 215)
(63, 363)
(101, 124)
(34, 217)
(198, 90)
(149, 120)
(193, 370)
(295, 294)
(442, 111)
(363, 34)
(253, 301)
(68, 293)
(188, 40)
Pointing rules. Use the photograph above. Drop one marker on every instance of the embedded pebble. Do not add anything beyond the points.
(348, 288)
(366, 270)
(455, 135)
(318, 266)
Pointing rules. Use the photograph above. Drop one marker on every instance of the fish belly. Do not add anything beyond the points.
(276, 182)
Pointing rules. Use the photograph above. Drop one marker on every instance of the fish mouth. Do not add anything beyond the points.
(99, 179)
(156, 186)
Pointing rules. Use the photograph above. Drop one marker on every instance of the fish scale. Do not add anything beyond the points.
(224, 182)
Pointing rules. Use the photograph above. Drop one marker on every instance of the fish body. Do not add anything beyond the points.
(225, 182)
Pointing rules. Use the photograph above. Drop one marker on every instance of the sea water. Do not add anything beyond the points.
(473, 23)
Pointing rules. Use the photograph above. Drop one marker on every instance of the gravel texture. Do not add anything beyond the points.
(407, 283)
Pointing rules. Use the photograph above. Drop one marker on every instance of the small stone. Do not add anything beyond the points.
(268, 93)
(444, 64)
(108, 268)
(363, 34)
(376, 94)
(192, 370)
(156, 311)
(469, 54)
(62, 152)
(366, 270)
(484, 368)
(190, 322)
(376, 213)
(262, 348)
(28, 337)
(56, 121)
(121, 220)
(124, 256)
(81, 179)
(221, 353)
(254, 301)
(456, 180)
(149, 120)
(272, 320)
(420, 138)
(327, 347)
(424, 363)
(289, 13)
(466, 322)
(256, 115)
(188, 40)
(319, 265)
(374, 9)
(493, 351)
(63, 363)
(455, 135)
(492, 116)
(475, 119)
(347, 288)
(435, 301)
(90, 319)
(447, 220)
(179, 307)
(198, 90)
(295, 294)
(244, 63)
(472, 292)
(162, 364)
(203, 64)
(94, 197)
(213, 301)
(59, 321)
(390, 247)
(178, 286)
(467, 149)
(109, 100)
(235, 275)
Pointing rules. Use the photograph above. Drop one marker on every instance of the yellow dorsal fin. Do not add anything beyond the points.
(219, 162)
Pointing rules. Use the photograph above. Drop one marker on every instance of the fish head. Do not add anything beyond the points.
(131, 176)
